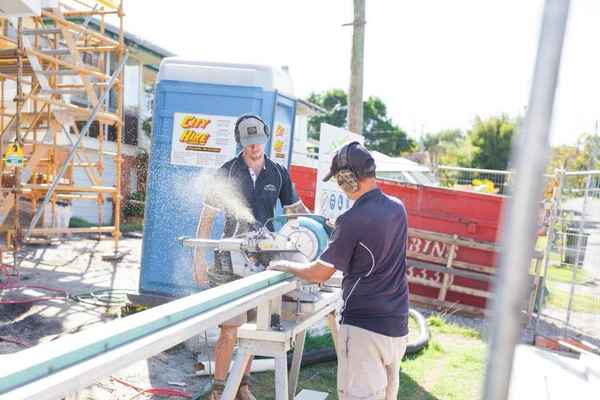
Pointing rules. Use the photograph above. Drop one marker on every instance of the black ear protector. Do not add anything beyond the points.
(236, 130)
(346, 177)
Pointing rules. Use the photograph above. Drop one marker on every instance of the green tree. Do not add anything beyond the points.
(583, 156)
(591, 150)
(147, 127)
(444, 145)
(566, 157)
(380, 132)
(492, 141)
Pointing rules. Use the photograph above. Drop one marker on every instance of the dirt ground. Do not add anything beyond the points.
(76, 266)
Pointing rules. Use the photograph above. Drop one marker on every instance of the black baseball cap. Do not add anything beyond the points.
(353, 156)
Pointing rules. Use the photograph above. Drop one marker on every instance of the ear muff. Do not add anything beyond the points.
(346, 178)
(236, 130)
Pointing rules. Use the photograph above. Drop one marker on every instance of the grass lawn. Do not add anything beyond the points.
(557, 271)
(451, 367)
(125, 227)
(564, 274)
(558, 298)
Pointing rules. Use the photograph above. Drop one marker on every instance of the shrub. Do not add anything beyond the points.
(134, 205)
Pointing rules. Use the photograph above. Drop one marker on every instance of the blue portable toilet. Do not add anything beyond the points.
(196, 105)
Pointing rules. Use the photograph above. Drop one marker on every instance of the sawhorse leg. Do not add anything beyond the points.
(296, 362)
(235, 375)
(333, 328)
(281, 378)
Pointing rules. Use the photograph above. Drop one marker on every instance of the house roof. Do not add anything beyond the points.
(310, 109)
(131, 39)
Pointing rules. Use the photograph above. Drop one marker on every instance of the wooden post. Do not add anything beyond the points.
(119, 128)
(537, 280)
(448, 277)
(355, 94)
(18, 140)
(2, 109)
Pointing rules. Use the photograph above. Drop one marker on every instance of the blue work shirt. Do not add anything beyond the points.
(369, 246)
(272, 183)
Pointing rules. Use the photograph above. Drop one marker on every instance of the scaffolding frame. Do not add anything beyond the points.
(61, 72)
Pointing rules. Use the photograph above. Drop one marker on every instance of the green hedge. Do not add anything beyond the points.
(134, 205)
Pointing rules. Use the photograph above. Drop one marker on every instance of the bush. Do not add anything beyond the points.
(134, 205)
(76, 222)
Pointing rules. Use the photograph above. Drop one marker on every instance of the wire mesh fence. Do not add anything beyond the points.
(483, 180)
(569, 299)
(475, 179)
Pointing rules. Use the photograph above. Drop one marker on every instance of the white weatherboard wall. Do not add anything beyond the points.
(88, 209)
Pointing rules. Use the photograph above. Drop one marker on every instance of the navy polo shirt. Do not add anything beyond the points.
(369, 246)
(271, 184)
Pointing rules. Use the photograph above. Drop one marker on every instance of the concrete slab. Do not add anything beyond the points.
(543, 375)
(311, 395)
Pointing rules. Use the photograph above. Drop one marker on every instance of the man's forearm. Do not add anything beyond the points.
(203, 231)
(311, 272)
(301, 270)
(206, 222)
(296, 208)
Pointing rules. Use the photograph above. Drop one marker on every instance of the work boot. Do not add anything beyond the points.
(218, 387)
(244, 392)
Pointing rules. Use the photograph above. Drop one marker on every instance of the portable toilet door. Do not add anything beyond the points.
(282, 131)
(195, 109)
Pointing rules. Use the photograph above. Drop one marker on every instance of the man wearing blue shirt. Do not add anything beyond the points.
(369, 246)
(260, 183)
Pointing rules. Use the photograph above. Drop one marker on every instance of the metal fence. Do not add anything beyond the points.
(569, 299)
(482, 180)
(476, 179)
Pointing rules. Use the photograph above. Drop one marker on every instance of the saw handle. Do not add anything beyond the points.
(222, 244)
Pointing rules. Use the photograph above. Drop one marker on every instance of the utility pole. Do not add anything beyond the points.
(355, 94)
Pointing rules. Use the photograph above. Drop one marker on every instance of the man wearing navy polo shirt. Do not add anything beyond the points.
(260, 183)
(369, 246)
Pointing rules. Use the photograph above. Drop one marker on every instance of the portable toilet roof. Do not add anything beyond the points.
(268, 78)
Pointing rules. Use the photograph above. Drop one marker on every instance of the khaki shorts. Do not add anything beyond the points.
(240, 319)
(368, 364)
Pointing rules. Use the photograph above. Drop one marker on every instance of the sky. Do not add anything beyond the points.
(437, 64)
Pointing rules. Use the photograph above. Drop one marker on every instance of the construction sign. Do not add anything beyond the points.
(14, 156)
